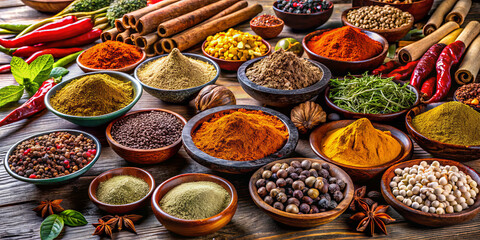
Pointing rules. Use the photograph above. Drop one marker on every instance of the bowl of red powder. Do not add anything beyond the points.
(346, 49)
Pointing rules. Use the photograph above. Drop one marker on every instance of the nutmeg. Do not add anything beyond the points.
(213, 96)
(307, 116)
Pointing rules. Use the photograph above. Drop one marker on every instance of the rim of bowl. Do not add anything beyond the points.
(259, 26)
(235, 61)
(242, 77)
(231, 191)
(188, 141)
(400, 4)
(53, 179)
(344, 20)
(144, 56)
(386, 189)
(113, 141)
(383, 41)
(457, 100)
(399, 157)
(197, 56)
(93, 192)
(274, 6)
(136, 95)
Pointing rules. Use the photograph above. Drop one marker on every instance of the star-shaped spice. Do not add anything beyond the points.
(372, 217)
(49, 207)
(126, 221)
(104, 228)
(359, 197)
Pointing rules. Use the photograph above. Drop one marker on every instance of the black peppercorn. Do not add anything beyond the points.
(274, 192)
(290, 170)
(298, 194)
(305, 208)
(274, 177)
(282, 197)
(325, 166)
(302, 178)
(292, 208)
(313, 172)
(323, 203)
(308, 200)
(306, 173)
(332, 180)
(333, 188)
(341, 184)
(306, 164)
(332, 205)
(268, 200)
(270, 185)
(282, 173)
(338, 196)
(298, 185)
(296, 164)
(278, 205)
(298, 170)
(294, 176)
(323, 173)
(313, 209)
(293, 200)
(262, 192)
(281, 182)
(289, 181)
(260, 183)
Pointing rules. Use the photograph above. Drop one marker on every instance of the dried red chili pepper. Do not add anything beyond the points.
(426, 65)
(428, 88)
(403, 72)
(386, 68)
(58, 23)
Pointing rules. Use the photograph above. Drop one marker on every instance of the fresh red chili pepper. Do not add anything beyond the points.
(50, 35)
(386, 68)
(403, 72)
(428, 88)
(33, 105)
(450, 56)
(56, 53)
(58, 23)
(150, 2)
(426, 65)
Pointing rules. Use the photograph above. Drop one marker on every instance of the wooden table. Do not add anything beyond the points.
(17, 198)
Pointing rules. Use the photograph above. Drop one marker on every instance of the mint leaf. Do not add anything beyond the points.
(10, 94)
(58, 72)
(19, 69)
(73, 218)
(40, 68)
(30, 86)
(51, 227)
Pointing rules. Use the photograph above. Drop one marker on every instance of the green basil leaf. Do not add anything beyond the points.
(73, 218)
(30, 86)
(10, 94)
(58, 73)
(19, 69)
(40, 68)
(51, 227)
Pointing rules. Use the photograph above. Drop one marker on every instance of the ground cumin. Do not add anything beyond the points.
(110, 55)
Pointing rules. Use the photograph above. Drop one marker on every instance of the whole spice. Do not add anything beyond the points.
(428, 88)
(110, 55)
(104, 228)
(371, 218)
(122, 189)
(235, 45)
(49, 207)
(359, 198)
(386, 68)
(379, 17)
(213, 96)
(402, 72)
(303, 6)
(426, 65)
(307, 116)
(290, 45)
(266, 20)
(469, 94)
(125, 221)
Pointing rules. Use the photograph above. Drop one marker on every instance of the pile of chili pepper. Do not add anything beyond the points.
(395, 70)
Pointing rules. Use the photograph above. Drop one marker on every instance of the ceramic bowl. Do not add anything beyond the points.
(392, 35)
(236, 167)
(198, 227)
(340, 67)
(56, 180)
(145, 156)
(303, 220)
(232, 65)
(279, 97)
(476, 108)
(373, 117)
(436, 148)
(419, 9)
(267, 32)
(361, 173)
(182, 95)
(429, 219)
(121, 209)
(126, 69)
(47, 6)
(302, 21)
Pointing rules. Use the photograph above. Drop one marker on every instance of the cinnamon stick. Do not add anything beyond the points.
(158, 47)
(436, 19)
(109, 35)
(147, 40)
(149, 22)
(150, 50)
(122, 36)
(134, 36)
(128, 41)
(189, 38)
(119, 26)
(459, 11)
(470, 66)
(132, 18)
(235, 7)
(469, 33)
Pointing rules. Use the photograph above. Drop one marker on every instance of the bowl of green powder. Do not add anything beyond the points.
(121, 190)
(194, 204)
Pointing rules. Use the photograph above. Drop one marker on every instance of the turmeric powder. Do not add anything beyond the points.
(361, 145)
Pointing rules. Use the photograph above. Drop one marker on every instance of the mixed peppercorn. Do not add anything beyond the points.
(303, 6)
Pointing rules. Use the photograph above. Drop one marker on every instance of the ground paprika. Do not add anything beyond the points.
(110, 55)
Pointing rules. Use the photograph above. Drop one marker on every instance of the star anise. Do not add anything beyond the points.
(372, 217)
(104, 227)
(359, 197)
(125, 221)
(49, 207)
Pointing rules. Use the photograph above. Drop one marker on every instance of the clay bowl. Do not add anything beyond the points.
(127, 69)
(429, 219)
(361, 173)
(231, 65)
(373, 117)
(236, 167)
(120, 209)
(301, 21)
(476, 108)
(47, 6)
(55, 180)
(419, 9)
(340, 67)
(436, 148)
(279, 97)
(198, 227)
(145, 156)
(303, 220)
(267, 32)
(392, 35)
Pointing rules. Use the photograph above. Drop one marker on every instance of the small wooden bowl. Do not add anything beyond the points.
(302, 21)
(303, 220)
(145, 156)
(392, 35)
(127, 69)
(476, 108)
(231, 65)
(198, 227)
(340, 67)
(429, 219)
(438, 149)
(47, 6)
(373, 117)
(361, 173)
(418, 9)
(267, 32)
(120, 209)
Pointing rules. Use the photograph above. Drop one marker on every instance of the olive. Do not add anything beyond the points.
(290, 45)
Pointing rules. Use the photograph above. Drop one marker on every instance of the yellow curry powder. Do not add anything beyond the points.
(361, 145)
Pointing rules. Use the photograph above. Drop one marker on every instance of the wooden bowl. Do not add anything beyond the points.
(48, 6)
(303, 220)
(418, 9)
(392, 35)
(231, 65)
(340, 67)
(126, 69)
(361, 173)
(429, 219)
(145, 156)
(120, 209)
(198, 227)
(302, 21)
(279, 97)
(236, 167)
(267, 32)
(436, 148)
(373, 117)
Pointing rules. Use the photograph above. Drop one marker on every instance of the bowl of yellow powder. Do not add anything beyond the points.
(93, 99)
(361, 148)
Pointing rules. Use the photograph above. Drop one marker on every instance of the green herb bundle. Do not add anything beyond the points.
(370, 94)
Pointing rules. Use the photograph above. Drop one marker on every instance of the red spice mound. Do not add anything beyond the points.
(110, 55)
(345, 44)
